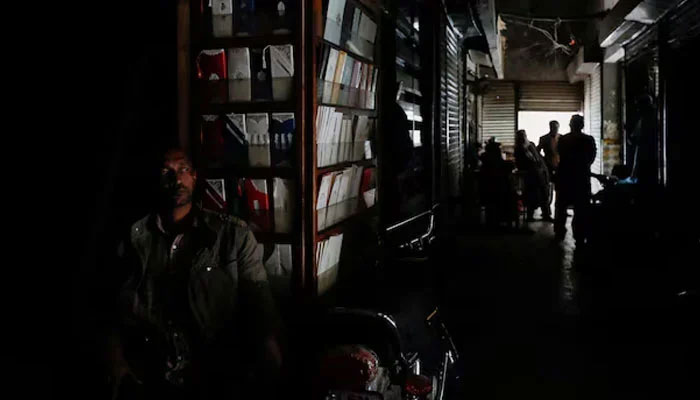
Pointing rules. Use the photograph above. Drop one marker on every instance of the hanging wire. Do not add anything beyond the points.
(552, 38)
(548, 19)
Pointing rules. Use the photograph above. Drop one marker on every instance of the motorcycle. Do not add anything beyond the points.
(360, 357)
(629, 226)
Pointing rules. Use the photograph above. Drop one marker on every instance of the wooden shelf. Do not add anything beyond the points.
(350, 52)
(343, 165)
(250, 172)
(362, 215)
(273, 237)
(244, 41)
(342, 225)
(355, 110)
(249, 107)
(194, 35)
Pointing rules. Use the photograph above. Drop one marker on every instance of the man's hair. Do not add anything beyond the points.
(169, 152)
(577, 121)
(552, 123)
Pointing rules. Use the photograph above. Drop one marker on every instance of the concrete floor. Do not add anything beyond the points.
(535, 318)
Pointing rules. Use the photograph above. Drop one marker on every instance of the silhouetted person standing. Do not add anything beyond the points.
(532, 165)
(548, 144)
(577, 152)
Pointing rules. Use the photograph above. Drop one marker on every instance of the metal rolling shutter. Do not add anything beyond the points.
(683, 22)
(550, 96)
(587, 105)
(455, 145)
(443, 132)
(645, 43)
(498, 113)
(595, 128)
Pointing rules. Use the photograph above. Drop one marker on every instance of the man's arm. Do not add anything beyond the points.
(593, 150)
(124, 276)
(255, 290)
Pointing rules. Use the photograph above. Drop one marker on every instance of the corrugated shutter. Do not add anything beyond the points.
(683, 22)
(595, 128)
(642, 45)
(442, 51)
(455, 146)
(498, 113)
(550, 96)
(587, 104)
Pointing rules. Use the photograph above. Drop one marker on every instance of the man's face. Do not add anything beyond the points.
(554, 128)
(177, 178)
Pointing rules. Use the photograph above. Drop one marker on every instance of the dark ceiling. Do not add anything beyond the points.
(547, 8)
(460, 15)
(459, 10)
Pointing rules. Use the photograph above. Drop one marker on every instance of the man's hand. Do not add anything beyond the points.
(273, 353)
(119, 373)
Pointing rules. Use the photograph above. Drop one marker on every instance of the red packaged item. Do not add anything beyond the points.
(212, 140)
(258, 201)
(368, 180)
(212, 75)
(211, 65)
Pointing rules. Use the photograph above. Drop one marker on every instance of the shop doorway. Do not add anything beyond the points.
(536, 124)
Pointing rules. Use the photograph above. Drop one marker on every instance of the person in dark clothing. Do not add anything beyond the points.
(471, 186)
(400, 160)
(401, 141)
(642, 140)
(494, 185)
(194, 313)
(548, 144)
(473, 161)
(530, 163)
(577, 151)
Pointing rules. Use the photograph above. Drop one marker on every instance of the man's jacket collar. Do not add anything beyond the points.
(203, 228)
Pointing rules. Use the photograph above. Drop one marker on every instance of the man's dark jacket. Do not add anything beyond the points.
(224, 279)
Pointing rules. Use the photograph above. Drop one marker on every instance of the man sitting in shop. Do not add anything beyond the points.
(577, 153)
(194, 314)
(494, 187)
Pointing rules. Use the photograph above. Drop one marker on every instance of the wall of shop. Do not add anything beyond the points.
(612, 129)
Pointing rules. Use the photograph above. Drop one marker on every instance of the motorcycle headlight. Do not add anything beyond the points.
(418, 386)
